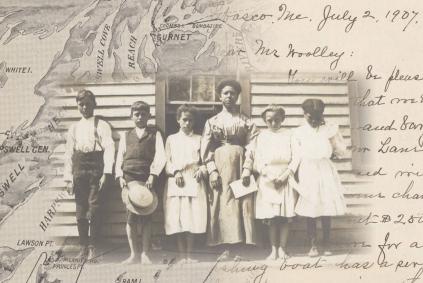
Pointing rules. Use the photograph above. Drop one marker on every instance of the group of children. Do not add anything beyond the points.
(292, 168)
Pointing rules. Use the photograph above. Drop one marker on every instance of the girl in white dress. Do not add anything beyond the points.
(273, 155)
(318, 178)
(185, 211)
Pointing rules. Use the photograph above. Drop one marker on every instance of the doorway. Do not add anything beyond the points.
(204, 112)
(196, 90)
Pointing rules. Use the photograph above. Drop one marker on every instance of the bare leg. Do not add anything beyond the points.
(83, 228)
(146, 237)
(311, 233)
(283, 238)
(226, 252)
(235, 251)
(273, 236)
(229, 251)
(131, 231)
(180, 241)
(190, 244)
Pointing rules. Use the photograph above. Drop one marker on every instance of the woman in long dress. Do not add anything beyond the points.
(185, 205)
(222, 149)
(322, 195)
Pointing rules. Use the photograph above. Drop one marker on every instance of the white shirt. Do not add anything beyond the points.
(81, 137)
(320, 142)
(182, 152)
(159, 160)
(272, 148)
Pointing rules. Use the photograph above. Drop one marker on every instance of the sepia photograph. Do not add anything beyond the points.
(264, 172)
(210, 141)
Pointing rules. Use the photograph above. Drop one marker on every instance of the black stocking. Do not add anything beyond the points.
(326, 225)
(311, 230)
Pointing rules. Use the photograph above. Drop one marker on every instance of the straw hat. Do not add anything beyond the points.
(139, 199)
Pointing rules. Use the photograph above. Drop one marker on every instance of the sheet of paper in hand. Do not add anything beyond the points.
(188, 190)
(239, 190)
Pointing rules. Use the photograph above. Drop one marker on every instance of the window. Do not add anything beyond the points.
(196, 89)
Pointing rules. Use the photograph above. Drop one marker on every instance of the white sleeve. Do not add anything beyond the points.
(337, 141)
(69, 148)
(159, 160)
(295, 154)
(119, 157)
(170, 166)
(250, 155)
(108, 144)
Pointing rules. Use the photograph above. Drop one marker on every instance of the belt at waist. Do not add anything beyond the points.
(231, 142)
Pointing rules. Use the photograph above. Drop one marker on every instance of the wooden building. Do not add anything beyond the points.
(166, 94)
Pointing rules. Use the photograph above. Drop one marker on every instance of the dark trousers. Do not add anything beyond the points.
(87, 171)
(88, 199)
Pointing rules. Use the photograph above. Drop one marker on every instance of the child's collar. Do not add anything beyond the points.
(87, 119)
(277, 131)
(183, 133)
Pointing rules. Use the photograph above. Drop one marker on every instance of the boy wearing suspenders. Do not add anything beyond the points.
(89, 161)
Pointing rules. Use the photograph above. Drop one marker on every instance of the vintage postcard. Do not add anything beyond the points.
(124, 124)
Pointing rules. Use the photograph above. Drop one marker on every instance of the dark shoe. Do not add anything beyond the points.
(83, 252)
(91, 253)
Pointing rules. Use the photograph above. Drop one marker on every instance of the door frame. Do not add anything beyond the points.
(160, 99)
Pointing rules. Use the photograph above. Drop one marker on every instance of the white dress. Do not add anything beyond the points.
(318, 177)
(183, 213)
(270, 155)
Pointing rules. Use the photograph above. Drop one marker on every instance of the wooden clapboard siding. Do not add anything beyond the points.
(114, 101)
(351, 191)
(299, 89)
(294, 110)
(106, 100)
(73, 113)
(146, 87)
(116, 122)
(291, 121)
(266, 90)
(279, 98)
